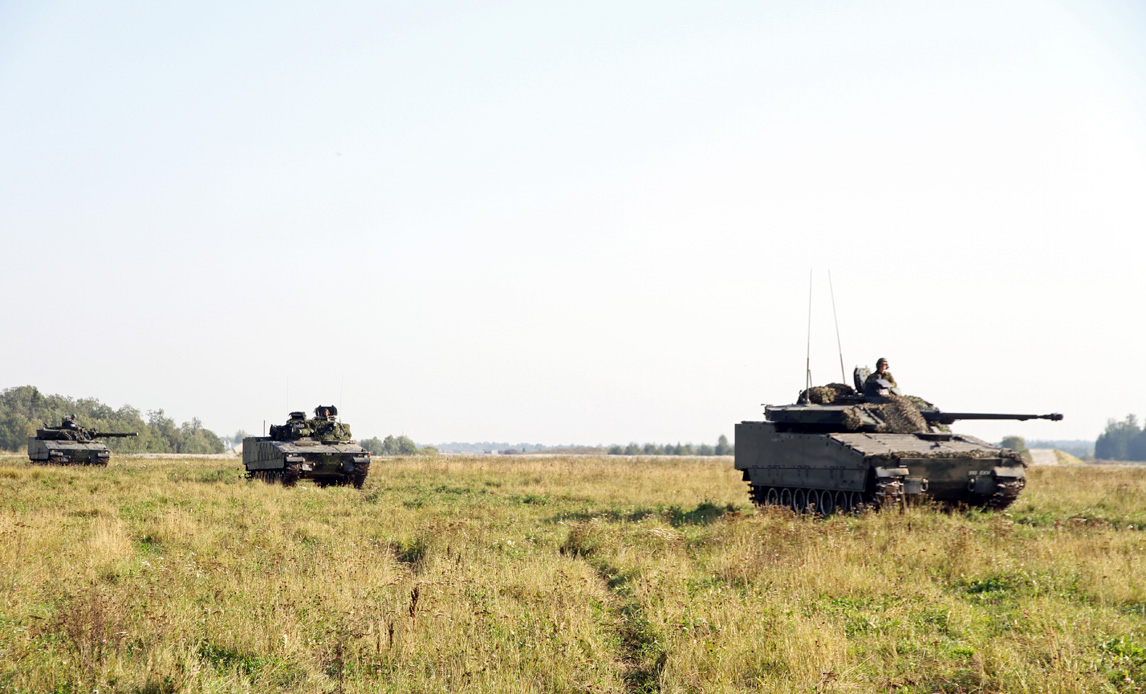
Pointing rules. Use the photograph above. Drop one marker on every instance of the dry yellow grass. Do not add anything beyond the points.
(556, 575)
(1065, 458)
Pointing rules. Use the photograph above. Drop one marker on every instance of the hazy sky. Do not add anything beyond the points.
(561, 222)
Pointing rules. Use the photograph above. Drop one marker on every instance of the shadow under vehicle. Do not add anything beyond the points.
(319, 449)
(841, 449)
(70, 444)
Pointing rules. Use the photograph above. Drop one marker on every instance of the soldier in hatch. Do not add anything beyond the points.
(72, 429)
(326, 425)
(880, 374)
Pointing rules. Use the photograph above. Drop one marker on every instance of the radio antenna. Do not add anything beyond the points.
(808, 358)
(843, 377)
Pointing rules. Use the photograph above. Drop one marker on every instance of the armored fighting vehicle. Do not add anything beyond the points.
(70, 444)
(318, 449)
(840, 449)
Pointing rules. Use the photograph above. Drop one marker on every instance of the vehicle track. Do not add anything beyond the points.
(641, 655)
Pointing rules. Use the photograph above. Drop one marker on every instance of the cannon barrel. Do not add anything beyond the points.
(936, 416)
(107, 434)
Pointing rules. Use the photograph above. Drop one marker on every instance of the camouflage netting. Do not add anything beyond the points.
(921, 404)
(826, 395)
(900, 415)
(852, 418)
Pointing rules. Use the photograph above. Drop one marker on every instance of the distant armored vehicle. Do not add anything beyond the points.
(839, 449)
(319, 449)
(70, 444)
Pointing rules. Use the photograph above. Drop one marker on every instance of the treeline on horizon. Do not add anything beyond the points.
(722, 447)
(1125, 440)
(395, 445)
(24, 409)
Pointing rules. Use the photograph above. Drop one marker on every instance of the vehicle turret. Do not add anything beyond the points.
(837, 407)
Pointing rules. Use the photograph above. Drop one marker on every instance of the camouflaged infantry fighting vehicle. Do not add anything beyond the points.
(318, 449)
(70, 444)
(841, 449)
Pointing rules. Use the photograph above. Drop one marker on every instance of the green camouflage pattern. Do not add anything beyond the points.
(319, 448)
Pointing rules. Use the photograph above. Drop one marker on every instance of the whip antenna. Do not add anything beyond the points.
(843, 378)
(808, 358)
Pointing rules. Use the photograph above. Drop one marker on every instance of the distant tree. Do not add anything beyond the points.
(406, 446)
(372, 444)
(390, 445)
(705, 449)
(128, 419)
(192, 438)
(1115, 442)
(616, 449)
(686, 449)
(1015, 443)
(14, 431)
(722, 447)
(163, 432)
(633, 449)
(1136, 448)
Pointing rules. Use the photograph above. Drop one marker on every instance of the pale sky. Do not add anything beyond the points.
(587, 222)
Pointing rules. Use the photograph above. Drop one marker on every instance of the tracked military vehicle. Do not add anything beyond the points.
(70, 444)
(841, 449)
(319, 449)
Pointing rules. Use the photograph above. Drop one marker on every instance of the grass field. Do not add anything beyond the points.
(530, 574)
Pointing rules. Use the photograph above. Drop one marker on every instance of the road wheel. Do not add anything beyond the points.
(290, 475)
(800, 501)
(358, 477)
(827, 503)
